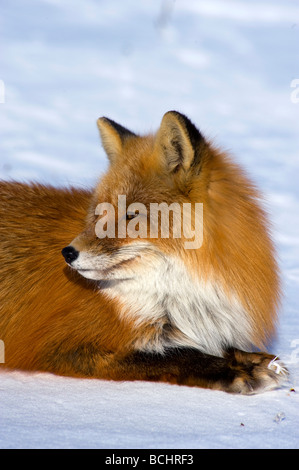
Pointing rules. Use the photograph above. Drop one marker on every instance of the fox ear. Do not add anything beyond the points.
(178, 140)
(113, 136)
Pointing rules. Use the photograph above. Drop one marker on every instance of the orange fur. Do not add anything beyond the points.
(53, 319)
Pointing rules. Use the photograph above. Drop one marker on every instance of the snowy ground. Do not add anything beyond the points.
(228, 65)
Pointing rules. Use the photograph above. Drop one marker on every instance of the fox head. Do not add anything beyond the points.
(137, 206)
(214, 273)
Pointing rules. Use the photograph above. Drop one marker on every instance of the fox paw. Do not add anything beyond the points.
(258, 372)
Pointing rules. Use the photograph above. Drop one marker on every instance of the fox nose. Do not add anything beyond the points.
(70, 254)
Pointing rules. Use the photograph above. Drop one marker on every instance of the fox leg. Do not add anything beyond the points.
(236, 372)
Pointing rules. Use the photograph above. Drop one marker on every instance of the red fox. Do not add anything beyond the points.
(128, 307)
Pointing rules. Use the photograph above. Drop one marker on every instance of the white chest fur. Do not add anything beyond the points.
(198, 314)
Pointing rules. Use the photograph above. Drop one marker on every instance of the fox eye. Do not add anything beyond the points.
(130, 215)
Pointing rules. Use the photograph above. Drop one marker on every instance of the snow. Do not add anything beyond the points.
(229, 66)
(42, 410)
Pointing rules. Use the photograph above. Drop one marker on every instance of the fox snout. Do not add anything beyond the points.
(70, 254)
